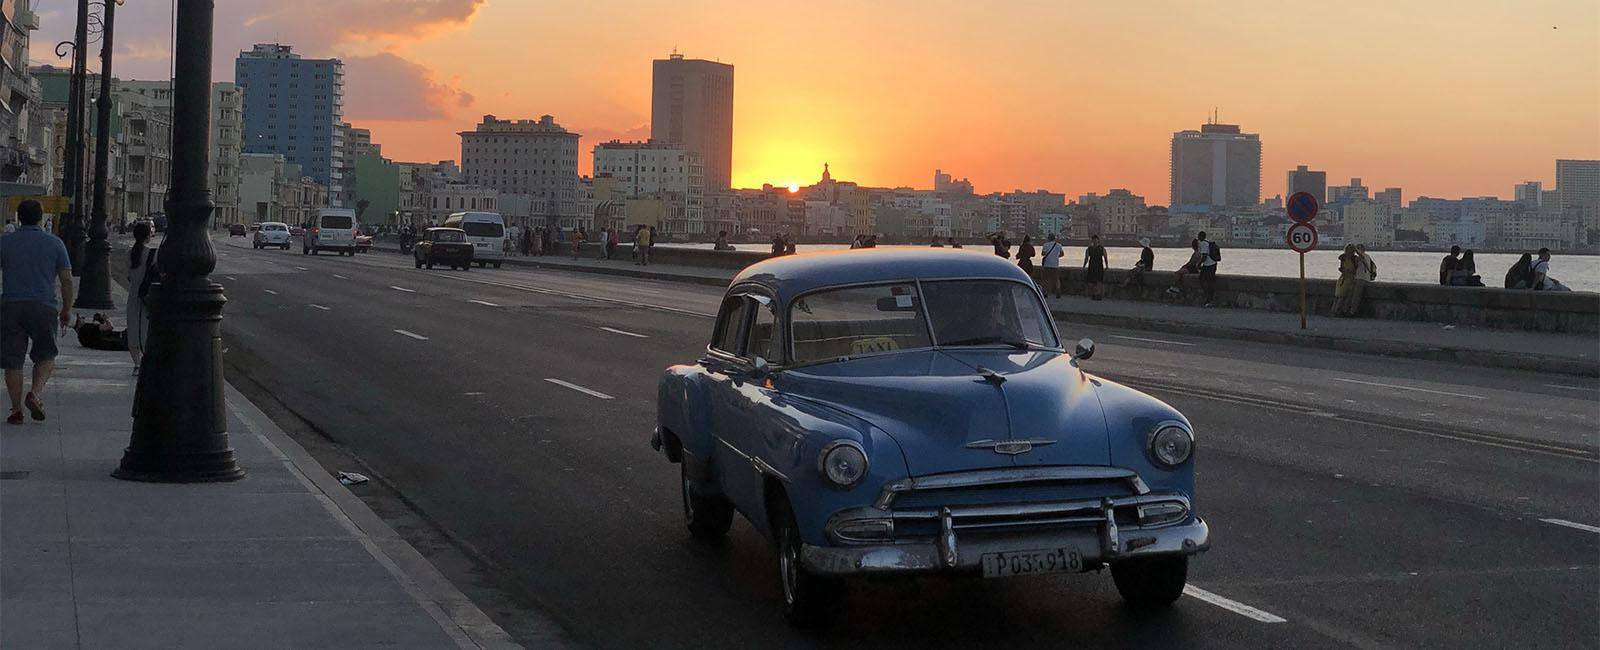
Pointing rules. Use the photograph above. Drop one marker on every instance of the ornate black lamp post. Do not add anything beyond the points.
(180, 423)
(72, 176)
(94, 291)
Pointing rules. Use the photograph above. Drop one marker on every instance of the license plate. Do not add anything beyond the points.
(1025, 563)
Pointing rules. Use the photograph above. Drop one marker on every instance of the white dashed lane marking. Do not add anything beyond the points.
(340, 276)
(484, 303)
(1565, 387)
(624, 333)
(318, 307)
(1572, 524)
(578, 388)
(414, 335)
(1135, 338)
(270, 291)
(231, 278)
(1233, 605)
(1397, 386)
(302, 268)
(402, 289)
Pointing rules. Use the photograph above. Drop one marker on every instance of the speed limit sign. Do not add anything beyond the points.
(1302, 237)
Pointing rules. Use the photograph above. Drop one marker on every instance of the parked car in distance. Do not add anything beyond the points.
(297, 231)
(486, 231)
(272, 233)
(444, 246)
(254, 227)
(363, 242)
(911, 412)
(237, 230)
(334, 229)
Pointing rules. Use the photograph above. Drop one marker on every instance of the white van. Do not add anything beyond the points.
(334, 230)
(486, 231)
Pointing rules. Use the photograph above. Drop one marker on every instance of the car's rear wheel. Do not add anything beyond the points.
(1151, 582)
(708, 517)
(809, 600)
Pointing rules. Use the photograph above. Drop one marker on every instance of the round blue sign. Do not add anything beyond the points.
(1301, 206)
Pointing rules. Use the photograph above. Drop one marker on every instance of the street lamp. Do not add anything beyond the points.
(180, 422)
(94, 291)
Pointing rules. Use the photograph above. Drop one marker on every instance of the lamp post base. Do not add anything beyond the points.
(180, 423)
(94, 287)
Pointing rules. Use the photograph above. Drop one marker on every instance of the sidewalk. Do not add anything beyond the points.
(286, 557)
(1574, 354)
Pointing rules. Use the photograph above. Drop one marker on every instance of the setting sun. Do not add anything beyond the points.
(794, 187)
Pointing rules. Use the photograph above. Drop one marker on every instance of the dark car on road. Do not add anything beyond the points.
(237, 230)
(444, 246)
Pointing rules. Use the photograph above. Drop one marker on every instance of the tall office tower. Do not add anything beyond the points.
(691, 103)
(1217, 166)
(294, 107)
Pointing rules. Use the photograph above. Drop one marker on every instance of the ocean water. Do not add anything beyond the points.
(1581, 272)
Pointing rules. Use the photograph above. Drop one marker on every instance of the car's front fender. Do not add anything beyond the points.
(683, 411)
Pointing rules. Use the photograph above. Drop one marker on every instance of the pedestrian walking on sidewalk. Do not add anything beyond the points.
(644, 238)
(605, 236)
(33, 263)
(1025, 254)
(1094, 264)
(1147, 261)
(612, 239)
(1050, 268)
(141, 272)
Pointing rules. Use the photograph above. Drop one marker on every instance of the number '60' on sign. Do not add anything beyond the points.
(1302, 237)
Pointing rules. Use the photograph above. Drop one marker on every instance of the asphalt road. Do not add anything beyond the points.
(1354, 500)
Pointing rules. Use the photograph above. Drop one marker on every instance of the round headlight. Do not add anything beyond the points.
(843, 463)
(1171, 446)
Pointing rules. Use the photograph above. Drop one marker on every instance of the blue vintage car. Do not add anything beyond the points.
(880, 412)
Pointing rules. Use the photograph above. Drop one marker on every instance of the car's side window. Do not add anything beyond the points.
(764, 333)
(730, 326)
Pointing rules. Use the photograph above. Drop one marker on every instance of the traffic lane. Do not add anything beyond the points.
(617, 510)
(1370, 560)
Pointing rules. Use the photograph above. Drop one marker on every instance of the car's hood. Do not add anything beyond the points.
(945, 416)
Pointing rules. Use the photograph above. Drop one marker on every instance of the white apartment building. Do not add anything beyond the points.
(537, 158)
(152, 100)
(670, 171)
(1368, 222)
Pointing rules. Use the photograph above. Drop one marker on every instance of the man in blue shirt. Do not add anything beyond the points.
(32, 263)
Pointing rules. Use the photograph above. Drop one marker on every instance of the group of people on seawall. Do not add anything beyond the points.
(1529, 272)
(1204, 257)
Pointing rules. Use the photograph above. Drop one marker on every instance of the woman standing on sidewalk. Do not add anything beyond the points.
(1349, 265)
(141, 264)
(1094, 261)
(1025, 257)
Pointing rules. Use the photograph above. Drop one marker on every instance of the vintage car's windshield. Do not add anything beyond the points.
(449, 236)
(853, 321)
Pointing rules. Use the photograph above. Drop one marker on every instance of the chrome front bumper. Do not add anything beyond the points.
(874, 540)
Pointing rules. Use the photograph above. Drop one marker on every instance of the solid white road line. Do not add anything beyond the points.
(1572, 524)
(1420, 390)
(578, 388)
(318, 307)
(1232, 605)
(414, 335)
(340, 276)
(1135, 338)
(270, 291)
(402, 289)
(617, 331)
(484, 303)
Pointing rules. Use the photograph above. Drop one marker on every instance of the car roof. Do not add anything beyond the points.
(444, 228)
(792, 275)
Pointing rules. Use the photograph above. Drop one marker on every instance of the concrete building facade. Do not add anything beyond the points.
(294, 107)
(537, 158)
(1304, 179)
(1217, 166)
(671, 171)
(691, 103)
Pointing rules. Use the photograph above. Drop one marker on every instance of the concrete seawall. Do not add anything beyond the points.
(1565, 312)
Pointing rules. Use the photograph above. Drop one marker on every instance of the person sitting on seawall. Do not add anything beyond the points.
(722, 242)
(1520, 275)
(1448, 265)
(1465, 272)
(1147, 261)
(1192, 266)
(1541, 274)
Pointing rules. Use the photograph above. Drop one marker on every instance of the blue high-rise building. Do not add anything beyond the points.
(294, 107)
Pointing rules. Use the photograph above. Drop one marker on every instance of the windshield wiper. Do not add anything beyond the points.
(989, 340)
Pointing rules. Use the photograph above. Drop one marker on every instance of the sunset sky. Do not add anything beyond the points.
(1448, 98)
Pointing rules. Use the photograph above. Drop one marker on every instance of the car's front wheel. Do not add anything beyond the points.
(809, 600)
(708, 517)
(1151, 582)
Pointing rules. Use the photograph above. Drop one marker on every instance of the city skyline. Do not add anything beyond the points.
(1062, 103)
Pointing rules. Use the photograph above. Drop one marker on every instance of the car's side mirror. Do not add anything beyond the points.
(760, 368)
(1084, 350)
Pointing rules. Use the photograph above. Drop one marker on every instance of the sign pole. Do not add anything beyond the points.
(1302, 291)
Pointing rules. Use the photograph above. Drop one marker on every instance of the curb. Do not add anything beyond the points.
(451, 609)
(1487, 358)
